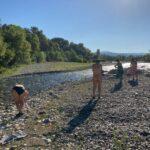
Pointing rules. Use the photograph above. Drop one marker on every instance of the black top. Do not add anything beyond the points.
(19, 89)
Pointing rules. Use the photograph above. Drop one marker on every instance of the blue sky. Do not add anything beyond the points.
(111, 25)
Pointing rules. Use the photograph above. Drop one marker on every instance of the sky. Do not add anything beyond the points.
(108, 25)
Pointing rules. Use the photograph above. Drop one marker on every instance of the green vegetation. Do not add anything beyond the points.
(6, 72)
(145, 58)
(20, 46)
(54, 67)
(44, 67)
(24, 46)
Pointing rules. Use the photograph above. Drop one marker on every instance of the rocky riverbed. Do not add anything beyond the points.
(66, 117)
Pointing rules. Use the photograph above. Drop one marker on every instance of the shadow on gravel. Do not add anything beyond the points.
(81, 117)
(116, 87)
(133, 83)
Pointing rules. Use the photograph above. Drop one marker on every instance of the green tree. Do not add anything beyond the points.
(39, 56)
(62, 43)
(73, 57)
(44, 44)
(33, 39)
(6, 55)
(21, 45)
(15, 37)
(2, 47)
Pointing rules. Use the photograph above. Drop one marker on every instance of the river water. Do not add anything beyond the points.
(40, 82)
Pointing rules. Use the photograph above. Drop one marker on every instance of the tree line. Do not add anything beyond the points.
(144, 58)
(22, 46)
(26, 45)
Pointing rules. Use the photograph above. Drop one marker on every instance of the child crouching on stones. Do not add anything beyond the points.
(19, 94)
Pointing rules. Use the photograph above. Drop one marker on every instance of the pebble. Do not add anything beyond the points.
(119, 115)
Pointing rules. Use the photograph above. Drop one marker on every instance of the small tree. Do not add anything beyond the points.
(39, 56)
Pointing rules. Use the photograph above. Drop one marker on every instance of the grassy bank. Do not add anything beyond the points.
(44, 67)
(6, 72)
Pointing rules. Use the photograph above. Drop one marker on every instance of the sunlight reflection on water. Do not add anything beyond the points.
(41, 82)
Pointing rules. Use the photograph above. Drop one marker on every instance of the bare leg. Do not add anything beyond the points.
(19, 100)
(22, 101)
(17, 105)
(99, 89)
(25, 96)
(16, 98)
(94, 88)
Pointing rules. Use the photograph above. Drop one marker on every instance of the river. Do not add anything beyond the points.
(40, 82)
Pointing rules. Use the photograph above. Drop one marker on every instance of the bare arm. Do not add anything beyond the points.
(93, 68)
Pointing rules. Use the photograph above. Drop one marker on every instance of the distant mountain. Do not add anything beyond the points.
(122, 54)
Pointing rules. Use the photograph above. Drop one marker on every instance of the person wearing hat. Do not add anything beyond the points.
(97, 77)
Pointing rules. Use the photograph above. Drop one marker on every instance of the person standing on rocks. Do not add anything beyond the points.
(119, 71)
(133, 69)
(97, 77)
(19, 94)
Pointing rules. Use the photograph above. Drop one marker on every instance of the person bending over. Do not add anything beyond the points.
(19, 94)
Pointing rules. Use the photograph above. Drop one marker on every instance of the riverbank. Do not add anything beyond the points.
(44, 68)
(65, 117)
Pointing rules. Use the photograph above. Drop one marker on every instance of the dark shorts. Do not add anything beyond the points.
(19, 90)
(119, 74)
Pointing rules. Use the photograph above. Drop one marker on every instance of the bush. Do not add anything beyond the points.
(39, 57)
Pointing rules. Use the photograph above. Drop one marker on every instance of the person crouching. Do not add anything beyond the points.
(19, 94)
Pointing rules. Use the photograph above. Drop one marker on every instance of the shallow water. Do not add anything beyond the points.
(40, 82)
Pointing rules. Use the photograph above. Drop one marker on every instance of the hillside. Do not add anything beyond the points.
(108, 53)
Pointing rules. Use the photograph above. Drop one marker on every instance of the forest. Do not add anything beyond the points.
(29, 45)
(23, 46)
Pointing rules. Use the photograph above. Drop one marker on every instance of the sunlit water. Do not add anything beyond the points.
(40, 82)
